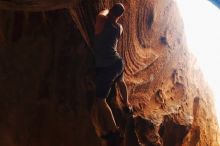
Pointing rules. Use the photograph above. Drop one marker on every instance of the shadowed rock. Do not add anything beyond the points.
(47, 75)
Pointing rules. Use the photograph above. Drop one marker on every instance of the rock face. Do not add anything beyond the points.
(47, 76)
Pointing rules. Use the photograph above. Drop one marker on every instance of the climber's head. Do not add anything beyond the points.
(116, 11)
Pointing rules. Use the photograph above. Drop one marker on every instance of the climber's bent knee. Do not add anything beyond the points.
(106, 77)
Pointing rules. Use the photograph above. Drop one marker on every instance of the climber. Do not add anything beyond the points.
(109, 70)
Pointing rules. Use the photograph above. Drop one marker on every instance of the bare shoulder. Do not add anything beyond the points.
(102, 16)
(103, 12)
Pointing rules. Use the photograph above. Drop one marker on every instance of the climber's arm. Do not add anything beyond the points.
(100, 21)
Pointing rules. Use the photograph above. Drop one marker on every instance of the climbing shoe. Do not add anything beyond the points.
(113, 139)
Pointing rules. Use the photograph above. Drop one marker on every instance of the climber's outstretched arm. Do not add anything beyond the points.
(100, 21)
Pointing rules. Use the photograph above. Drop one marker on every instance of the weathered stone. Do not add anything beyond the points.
(47, 76)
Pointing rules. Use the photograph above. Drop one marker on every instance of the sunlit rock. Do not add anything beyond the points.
(47, 76)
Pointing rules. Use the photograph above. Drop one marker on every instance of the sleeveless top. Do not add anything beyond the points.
(105, 45)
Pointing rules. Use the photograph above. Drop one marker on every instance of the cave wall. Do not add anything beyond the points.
(47, 74)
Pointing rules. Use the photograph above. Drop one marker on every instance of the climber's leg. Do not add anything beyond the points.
(124, 93)
(123, 90)
(102, 116)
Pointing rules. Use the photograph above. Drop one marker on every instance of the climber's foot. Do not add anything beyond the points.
(113, 139)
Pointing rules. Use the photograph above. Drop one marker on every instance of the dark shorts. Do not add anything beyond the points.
(107, 76)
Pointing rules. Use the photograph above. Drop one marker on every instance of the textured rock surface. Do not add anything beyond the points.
(47, 73)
